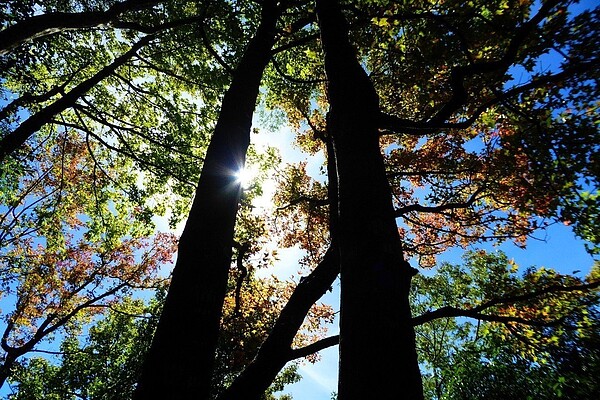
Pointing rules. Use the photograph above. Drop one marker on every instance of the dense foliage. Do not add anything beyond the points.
(442, 124)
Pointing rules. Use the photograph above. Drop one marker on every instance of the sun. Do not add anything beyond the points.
(245, 176)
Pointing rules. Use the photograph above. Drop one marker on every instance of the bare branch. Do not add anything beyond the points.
(314, 347)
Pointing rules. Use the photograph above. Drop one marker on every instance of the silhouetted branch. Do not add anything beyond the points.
(443, 207)
(48, 24)
(314, 347)
(476, 312)
(313, 201)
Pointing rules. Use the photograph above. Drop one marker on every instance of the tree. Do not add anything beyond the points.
(543, 345)
(469, 153)
(375, 278)
(113, 353)
(181, 357)
(64, 258)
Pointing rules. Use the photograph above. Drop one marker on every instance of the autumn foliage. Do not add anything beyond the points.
(437, 125)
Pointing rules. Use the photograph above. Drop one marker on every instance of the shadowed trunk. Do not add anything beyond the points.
(180, 361)
(378, 358)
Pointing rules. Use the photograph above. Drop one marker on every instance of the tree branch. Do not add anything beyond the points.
(442, 207)
(276, 349)
(314, 347)
(51, 23)
(396, 125)
(291, 78)
(19, 136)
(298, 200)
(476, 312)
(212, 51)
(459, 74)
(294, 43)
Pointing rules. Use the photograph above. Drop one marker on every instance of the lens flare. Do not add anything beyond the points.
(245, 176)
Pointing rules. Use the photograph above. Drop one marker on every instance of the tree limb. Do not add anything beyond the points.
(476, 312)
(396, 125)
(442, 207)
(301, 199)
(314, 347)
(276, 349)
(48, 24)
(19, 136)
(459, 74)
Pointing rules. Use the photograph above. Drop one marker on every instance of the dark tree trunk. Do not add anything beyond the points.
(378, 357)
(180, 361)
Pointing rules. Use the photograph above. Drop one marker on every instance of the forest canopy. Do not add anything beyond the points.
(421, 127)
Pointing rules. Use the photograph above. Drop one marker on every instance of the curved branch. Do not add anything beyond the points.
(51, 23)
(291, 78)
(443, 207)
(396, 125)
(314, 347)
(212, 50)
(294, 43)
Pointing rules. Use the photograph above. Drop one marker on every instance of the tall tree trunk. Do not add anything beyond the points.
(378, 358)
(180, 361)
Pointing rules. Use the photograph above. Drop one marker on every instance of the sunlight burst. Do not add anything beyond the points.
(245, 176)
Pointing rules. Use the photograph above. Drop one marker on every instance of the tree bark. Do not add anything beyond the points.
(180, 361)
(378, 357)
